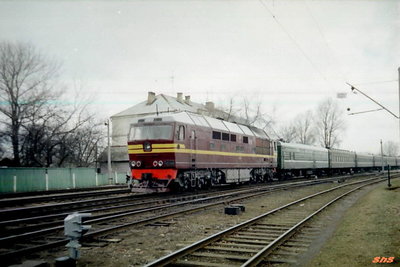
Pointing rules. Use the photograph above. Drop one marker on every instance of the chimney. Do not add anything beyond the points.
(187, 99)
(179, 97)
(210, 106)
(151, 97)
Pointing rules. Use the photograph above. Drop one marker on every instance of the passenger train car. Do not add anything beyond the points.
(186, 150)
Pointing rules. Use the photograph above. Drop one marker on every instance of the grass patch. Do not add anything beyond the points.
(370, 229)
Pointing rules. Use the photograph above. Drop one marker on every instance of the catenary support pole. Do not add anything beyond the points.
(109, 153)
(399, 106)
(383, 168)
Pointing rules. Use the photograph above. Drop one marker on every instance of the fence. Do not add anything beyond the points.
(42, 179)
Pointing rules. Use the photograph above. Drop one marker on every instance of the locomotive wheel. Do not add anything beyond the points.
(187, 184)
(200, 183)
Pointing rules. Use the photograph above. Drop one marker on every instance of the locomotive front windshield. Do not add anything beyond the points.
(152, 132)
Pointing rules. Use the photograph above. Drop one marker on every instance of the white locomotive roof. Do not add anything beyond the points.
(259, 133)
(246, 130)
(200, 120)
(302, 146)
(217, 124)
(233, 127)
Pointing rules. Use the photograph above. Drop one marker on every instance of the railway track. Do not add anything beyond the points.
(27, 238)
(19, 200)
(46, 231)
(278, 236)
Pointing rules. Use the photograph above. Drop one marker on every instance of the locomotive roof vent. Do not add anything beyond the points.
(141, 120)
(157, 119)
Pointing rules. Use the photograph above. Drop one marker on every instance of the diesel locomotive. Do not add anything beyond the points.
(187, 150)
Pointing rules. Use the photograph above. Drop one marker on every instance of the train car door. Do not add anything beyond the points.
(193, 147)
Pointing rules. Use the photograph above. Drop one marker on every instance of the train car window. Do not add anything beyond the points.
(181, 132)
(245, 139)
(233, 137)
(225, 136)
(216, 135)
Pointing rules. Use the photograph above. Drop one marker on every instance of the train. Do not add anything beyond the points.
(184, 151)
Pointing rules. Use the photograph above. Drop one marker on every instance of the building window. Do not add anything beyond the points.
(216, 135)
(245, 139)
(233, 137)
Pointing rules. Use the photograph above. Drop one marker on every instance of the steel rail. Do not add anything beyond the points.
(115, 228)
(121, 214)
(256, 259)
(35, 199)
(92, 234)
(206, 241)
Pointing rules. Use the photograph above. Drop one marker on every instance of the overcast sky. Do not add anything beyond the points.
(289, 55)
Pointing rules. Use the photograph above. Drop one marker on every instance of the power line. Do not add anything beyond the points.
(296, 44)
(377, 82)
(329, 48)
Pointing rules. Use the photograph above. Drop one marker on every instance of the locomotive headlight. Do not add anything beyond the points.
(138, 163)
(155, 163)
(160, 163)
(133, 164)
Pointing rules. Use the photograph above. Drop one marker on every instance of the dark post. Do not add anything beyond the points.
(389, 185)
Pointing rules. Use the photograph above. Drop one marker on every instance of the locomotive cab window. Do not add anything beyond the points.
(150, 132)
(181, 132)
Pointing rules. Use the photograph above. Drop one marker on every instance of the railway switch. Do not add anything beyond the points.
(74, 230)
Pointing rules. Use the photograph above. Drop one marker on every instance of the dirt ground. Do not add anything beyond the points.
(143, 244)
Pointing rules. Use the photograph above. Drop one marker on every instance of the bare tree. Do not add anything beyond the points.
(26, 84)
(304, 128)
(329, 122)
(391, 148)
(45, 135)
(287, 133)
(85, 144)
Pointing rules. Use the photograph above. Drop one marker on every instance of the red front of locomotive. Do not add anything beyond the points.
(152, 156)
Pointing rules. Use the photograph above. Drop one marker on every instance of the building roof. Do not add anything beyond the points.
(162, 103)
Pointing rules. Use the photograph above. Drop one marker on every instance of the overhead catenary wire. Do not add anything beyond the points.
(297, 45)
(331, 52)
(377, 82)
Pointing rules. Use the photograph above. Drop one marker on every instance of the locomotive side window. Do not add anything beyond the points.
(181, 132)
(212, 146)
(245, 139)
(225, 136)
(216, 135)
